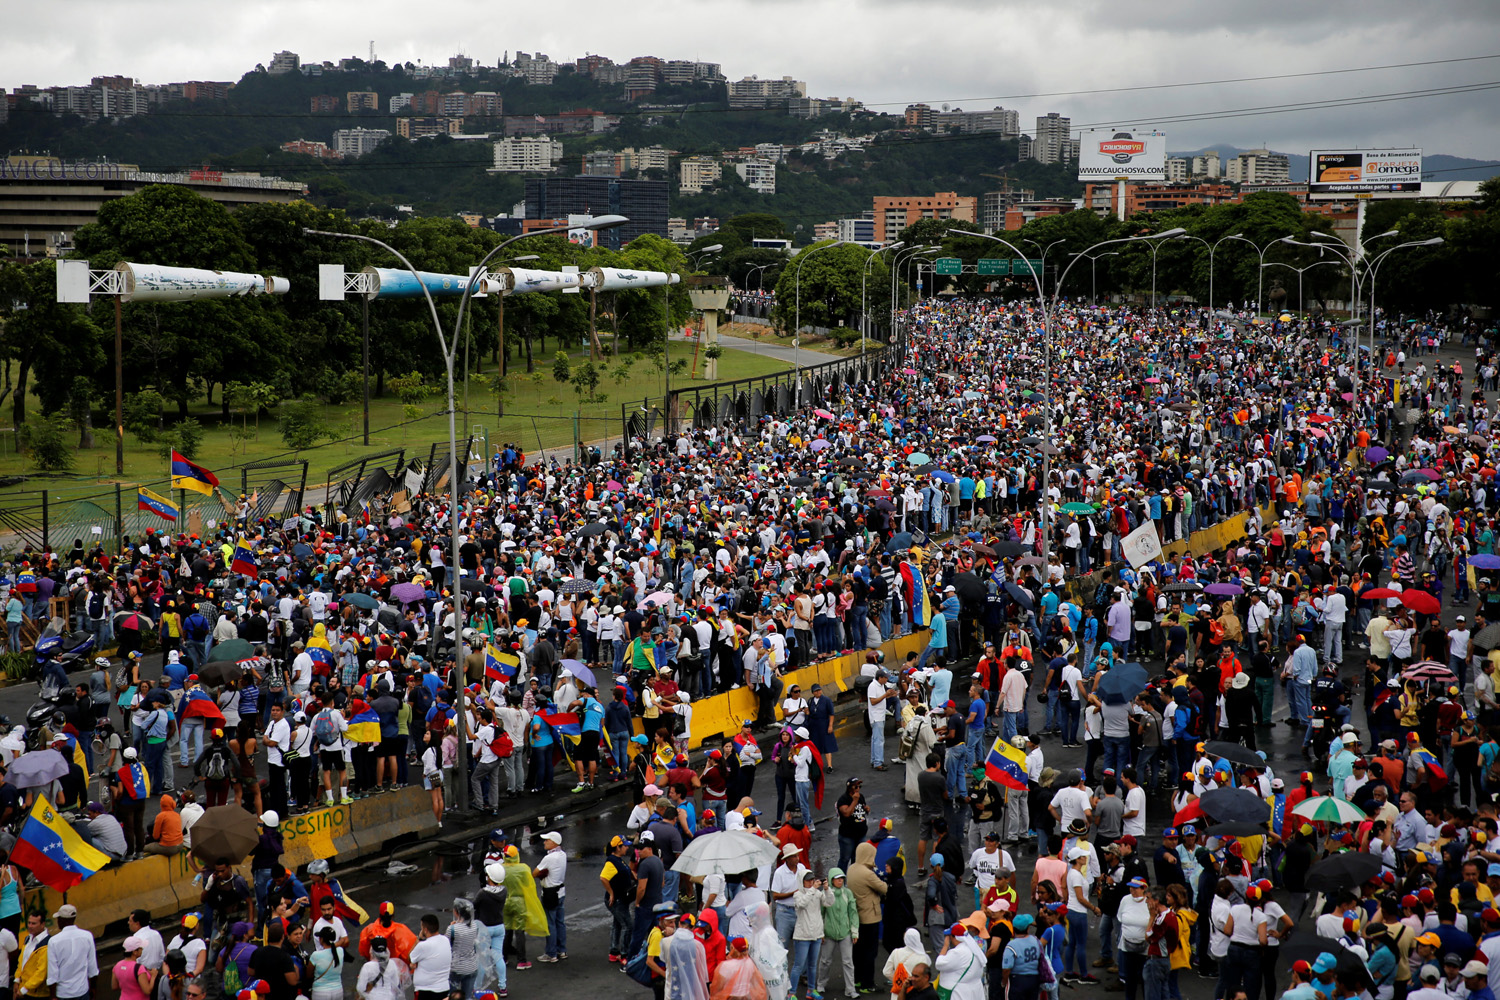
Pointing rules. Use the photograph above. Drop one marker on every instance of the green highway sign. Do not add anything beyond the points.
(1019, 267)
(990, 265)
(948, 265)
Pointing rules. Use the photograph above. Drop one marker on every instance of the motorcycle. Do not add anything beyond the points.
(57, 651)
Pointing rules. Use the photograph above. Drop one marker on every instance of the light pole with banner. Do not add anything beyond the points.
(449, 348)
(1047, 401)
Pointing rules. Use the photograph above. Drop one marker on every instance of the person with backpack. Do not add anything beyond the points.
(332, 747)
(217, 768)
(492, 744)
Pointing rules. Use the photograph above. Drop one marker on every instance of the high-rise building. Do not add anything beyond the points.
(860, 230)
(1053, 142)
(420, 127)
(356, 142)
(697, 173)
(284, 62)
(1178, 168)
(1206, 164)
(1002, 120)
(643, 202)
(537, 69)
(893, 214)
(362, 100)
(994, 204)
(1258, 166)
(758, 175)
(526, 154)
(399, 103)
(322, 104)
(919, 116)
(753, 92)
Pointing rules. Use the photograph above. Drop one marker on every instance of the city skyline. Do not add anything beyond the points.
(1006, 54)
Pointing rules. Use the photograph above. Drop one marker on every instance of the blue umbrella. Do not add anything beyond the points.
(577, 669)
(900, 540)
(946, 477)
(1484, 561)
(1019, 596)
(1122, 683)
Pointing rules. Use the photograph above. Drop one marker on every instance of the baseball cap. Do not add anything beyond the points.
(552, 837)
(1301, 967)
(1190, 830)
(937, 859)
(1136, 883)
(1475, 969)
(1170, 831)
(1324, 963)
(1023, 922)
(651, 790)
(749, 811)
(1077, 853)
(67, 911)
(1431, 973)
(1430, 939)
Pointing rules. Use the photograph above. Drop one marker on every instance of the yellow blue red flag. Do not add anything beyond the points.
(56, 855)
(1006, 766)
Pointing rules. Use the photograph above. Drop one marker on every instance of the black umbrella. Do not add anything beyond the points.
(969, 587)
(924, 469)
(475, 586)
(1183, 588)
(1344, 870)
(1011, 548)
(900, 540)
(1235, 805)
(1033, 420)
(590, 530)
(800, 481)
(1349, 968)
(1488, 637)
(1019, 596)
(882, 503)
(1380, 486)
(1234, 753)
(574, 587)
(1236, 830)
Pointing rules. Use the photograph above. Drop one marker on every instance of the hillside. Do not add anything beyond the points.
(441, 176)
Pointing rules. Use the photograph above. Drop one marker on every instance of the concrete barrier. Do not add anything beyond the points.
(163, 885)
(322, 833)
(381, 819)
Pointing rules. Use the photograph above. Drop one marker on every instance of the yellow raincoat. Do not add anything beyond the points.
(523, 907)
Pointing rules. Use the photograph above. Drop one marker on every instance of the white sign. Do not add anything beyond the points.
(1141, 545)
(1110, 154)
(1361, 171)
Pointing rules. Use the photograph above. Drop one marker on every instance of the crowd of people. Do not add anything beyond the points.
(961, 497)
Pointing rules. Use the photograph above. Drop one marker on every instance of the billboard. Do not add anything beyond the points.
(1363, 171)
(1110, 154)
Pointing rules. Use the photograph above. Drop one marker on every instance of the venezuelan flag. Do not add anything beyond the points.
(364, 727)
(158, 505)
(568, 729)
(916, 592)
(244, 560)
(53, 851)
(187, 476)
(321, 656)
(198, 705)
(26, 582)
(135, 781)
(1437, 777)
(499, 665)
(1006, 766)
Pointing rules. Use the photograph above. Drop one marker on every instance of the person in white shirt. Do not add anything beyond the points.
(877, 695)
(1135, 804)
(431, 959)
(153, 948)
(989, 863)
(1335, 612)
(72, 961)
(302, 670)
(551, 876)
(1072, 802)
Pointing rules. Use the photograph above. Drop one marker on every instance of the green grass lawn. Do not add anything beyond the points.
(537, 415)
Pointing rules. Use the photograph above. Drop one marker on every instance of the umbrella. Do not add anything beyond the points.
(408, 593)
(1236, 830)
(1193, 810)
(133, 619)
(221, 672)
(925, 468)
(656, 600)
(1344, 870)
(969, 587)
(1033, 420)
(1415, 476)
(1235, 805)
(1420, 601)
(723, 853)
(1078, 508)
(986, 439)
(474, 585)
(917, 458)
(1488, 637)
(223, 832)
(613, 484)
(824, 414)
(946, 477)
(1376, 593)
(800, 481)
(1122, 683)
(1019, 596)
(900, 540)
(1224, 589)
(1011, 548)
(39, 767)
(577, 669)
(576, 586)
(1308, 948)
(985, 550)
(881, 503)
(590, 530)
(879, 493)
(1428, 670)
(1484, 561)
(1234, 753)
(1327, 809)
(1185, 587)
(820, 444)
(362, 601)
(1380, 486)
(231, 650)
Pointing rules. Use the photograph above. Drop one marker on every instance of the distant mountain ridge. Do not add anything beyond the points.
(1441, 166)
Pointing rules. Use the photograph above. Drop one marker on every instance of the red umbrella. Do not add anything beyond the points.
(1375, 593)
(1420, 601)
(1193, 810)
(1319, 418)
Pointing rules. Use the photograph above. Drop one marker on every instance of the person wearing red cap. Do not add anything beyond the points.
(398, 937)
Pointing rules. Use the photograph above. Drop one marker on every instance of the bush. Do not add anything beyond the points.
(301, 422)
(142, 414)
(714, 351)
(187, 437)
(339, 388)
(47, 441)
(562, 370)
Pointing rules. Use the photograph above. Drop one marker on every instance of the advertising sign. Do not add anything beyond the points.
(155, 283)
(1364, 171)
(1110, 154)
(613, 279)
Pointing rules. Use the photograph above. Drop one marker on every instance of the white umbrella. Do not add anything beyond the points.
(1327, 809)
(725, 853)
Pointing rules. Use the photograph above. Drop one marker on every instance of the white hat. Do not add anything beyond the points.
(802, 732)
(684, 696)
(270, 818)
(619, 609)
(552, 836)
(495, 872)
(1475, 968)
(1077, 853)
(790, 850)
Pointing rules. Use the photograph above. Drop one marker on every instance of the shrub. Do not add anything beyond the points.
(188, 437)
(48, 442)
(142, 414)
(301, 422)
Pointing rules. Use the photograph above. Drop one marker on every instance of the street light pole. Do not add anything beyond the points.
(1047, 312)
(864, 325)
(449, 348)
(1155, 247)
(1300, 271)
(797, 329)
(1094, 271)
(896, 276)
(1045, 251)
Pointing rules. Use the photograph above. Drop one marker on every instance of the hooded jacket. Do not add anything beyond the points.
(865, 884)
(166, 830)
(841, 917)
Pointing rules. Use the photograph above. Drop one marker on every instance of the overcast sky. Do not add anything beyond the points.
(969, 53)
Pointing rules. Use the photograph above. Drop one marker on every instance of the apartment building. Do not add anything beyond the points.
(893, 214)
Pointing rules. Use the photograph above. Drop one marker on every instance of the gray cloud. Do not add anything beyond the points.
(886, 52)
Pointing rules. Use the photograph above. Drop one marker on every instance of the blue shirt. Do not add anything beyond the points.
(176, 675)
(942, 683)
(1052, 938)
(1022, 956)
(593, 715)
(939, 636)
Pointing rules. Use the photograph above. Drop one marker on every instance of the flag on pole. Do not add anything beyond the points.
(188, 476)
(500, 665)
(244, 560)
(56, 855)
(158, 505)
(1006, 766)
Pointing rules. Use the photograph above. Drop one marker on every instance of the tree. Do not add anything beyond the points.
(41, 337)
(830, 287)
(561, 367)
